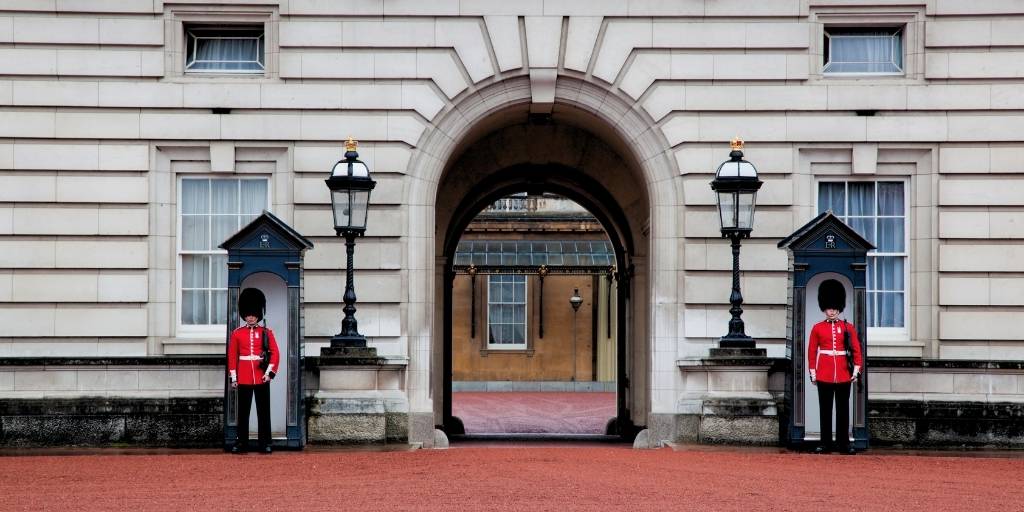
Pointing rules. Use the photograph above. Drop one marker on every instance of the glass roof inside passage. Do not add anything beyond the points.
(519, 252)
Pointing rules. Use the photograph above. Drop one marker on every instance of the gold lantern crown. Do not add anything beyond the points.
(736, 143)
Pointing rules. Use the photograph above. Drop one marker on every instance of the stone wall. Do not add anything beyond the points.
(107, 422)
(943, 403)
(165, 401)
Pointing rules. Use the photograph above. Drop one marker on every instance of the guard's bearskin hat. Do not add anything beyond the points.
(832, 295)
(252, 302)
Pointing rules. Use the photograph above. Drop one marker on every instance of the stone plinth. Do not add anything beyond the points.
(727, 400)
(361, 398)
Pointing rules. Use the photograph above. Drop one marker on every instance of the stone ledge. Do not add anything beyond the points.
(316, 362)
(942, 364)
(216, 361)
(774, 364)
(175, 394)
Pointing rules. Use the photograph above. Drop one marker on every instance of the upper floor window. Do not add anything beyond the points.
(211, 210)
(506, 311)
(878, 212)
(863, 50)
(225, 49)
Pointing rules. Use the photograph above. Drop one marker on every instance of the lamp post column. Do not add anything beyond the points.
(349, 326)
(736, 329)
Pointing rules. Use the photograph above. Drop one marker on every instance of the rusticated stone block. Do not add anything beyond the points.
(348, 429)
(396, 427)
(179, 430)
(421, 428)
(63, 430)
(177, 422)
(946, 423)
(752, 430)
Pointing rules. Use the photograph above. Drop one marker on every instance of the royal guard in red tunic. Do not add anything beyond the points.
(253, 360)
(834, 360)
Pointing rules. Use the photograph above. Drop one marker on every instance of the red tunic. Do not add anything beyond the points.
(827, 355)
(244, 349)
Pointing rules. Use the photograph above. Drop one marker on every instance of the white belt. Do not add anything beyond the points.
(833, 352)
(257, 358)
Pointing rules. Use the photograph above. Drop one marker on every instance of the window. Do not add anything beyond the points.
(224, 49)
(211, 211)
(877, 211)
(506, 311)
(863, 51)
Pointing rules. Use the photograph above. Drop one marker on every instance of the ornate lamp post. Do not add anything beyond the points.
(350, 186)
(575, 302)
(736, 185)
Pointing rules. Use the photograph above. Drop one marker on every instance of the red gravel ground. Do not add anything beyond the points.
(582, 477)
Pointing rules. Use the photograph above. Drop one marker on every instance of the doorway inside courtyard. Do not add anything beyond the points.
(534, 331)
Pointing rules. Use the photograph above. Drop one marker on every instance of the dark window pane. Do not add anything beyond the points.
(890, 235)
(832, 196)
(890, 199)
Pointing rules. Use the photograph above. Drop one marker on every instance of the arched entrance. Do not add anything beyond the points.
(573, 184)
(595, 148)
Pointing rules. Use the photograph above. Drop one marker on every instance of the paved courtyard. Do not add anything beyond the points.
(556, 477)
(534, 412)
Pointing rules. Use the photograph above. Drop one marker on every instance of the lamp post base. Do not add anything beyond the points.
(738, 346)
(341, 340)
(736, 341)
(348, 346)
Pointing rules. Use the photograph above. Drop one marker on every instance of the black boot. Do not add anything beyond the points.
(238, 448)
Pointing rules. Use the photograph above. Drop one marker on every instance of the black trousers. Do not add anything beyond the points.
(840, 393)
(245, 393)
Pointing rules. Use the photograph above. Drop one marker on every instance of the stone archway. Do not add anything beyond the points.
(591, 130)
(536, 178)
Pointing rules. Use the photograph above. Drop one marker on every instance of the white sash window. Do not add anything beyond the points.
(878, 212)
(211, 210)
(506, 311)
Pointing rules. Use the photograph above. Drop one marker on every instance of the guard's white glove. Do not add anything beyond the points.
(856, 373)
(234, 380)
(814, 376)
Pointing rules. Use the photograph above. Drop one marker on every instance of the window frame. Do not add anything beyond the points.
(261, 44)
(828, 45)
(180, 17)
(184, 330)
(911, 18)
(518, 347)
(876, 334)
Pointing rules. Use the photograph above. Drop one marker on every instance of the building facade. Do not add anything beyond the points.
(137, 136)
